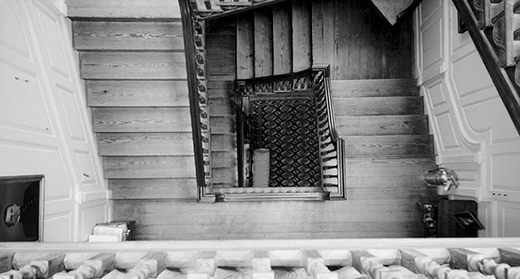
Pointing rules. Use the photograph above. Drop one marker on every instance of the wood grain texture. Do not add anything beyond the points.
(149, 167)
(131, 93)
(389, 146)
(123, 9)
(282, 39)
(173, 188)
(301, 35)
(263, 42)
(378, 106)
(374, 88)
(382, 125)
(382, 218)
(221, 39)
(145, 144)
(98, 35)
(141, 120)
(133, 65)
(358, 44)
(245, 47)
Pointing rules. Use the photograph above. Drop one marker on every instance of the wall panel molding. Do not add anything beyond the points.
(472, 131)
(44, 124)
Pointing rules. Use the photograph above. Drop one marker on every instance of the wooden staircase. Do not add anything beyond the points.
(135, 75)
(386, 135)
(137, 88)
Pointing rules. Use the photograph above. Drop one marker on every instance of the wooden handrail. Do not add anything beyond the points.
(195, 109)
(503, 81)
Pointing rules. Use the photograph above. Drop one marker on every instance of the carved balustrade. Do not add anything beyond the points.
(324, 259)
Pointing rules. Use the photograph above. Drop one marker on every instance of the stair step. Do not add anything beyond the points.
(389, 146)
(382, 125)
(221, 107)
(128, 189)
(227, 176)
(222, 124)
(378, 106)
(127, 9)
(145, 144)
(133, 65)
(223, 159)
(388, 167)
(385, 181)
(141, 119)
(98, 35)
(149, 167)
(126, 93)
(417, 192)
(223, 142)
(374, 88)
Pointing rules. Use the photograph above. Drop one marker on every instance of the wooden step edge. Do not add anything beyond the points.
(260, 197)
(126, 19)
(126, 50)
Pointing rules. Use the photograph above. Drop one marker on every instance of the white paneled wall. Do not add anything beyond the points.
(473, 132)
(44, 123)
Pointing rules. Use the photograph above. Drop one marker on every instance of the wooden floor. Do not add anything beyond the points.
(137, 91)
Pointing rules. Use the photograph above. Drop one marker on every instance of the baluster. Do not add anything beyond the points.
(149, 266)
(262, 265)
(315, 265)
(6, 262)
(206, 266)
(369, 264)
(421, 263)
(42, 267)
(511, 256)
(94, 266)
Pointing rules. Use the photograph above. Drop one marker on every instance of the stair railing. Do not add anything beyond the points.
(331, 147)
(193, 29)
(494, 26)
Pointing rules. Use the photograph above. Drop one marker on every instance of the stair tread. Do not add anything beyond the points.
(131, 93)
(145, 144)
(141, 119)
(130, 35)
(130, 9)
(128, 189)
(378, 106)
(374, 88)
(133, 65)
(382, 125)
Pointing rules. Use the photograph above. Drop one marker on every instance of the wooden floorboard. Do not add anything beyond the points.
(383, 218)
